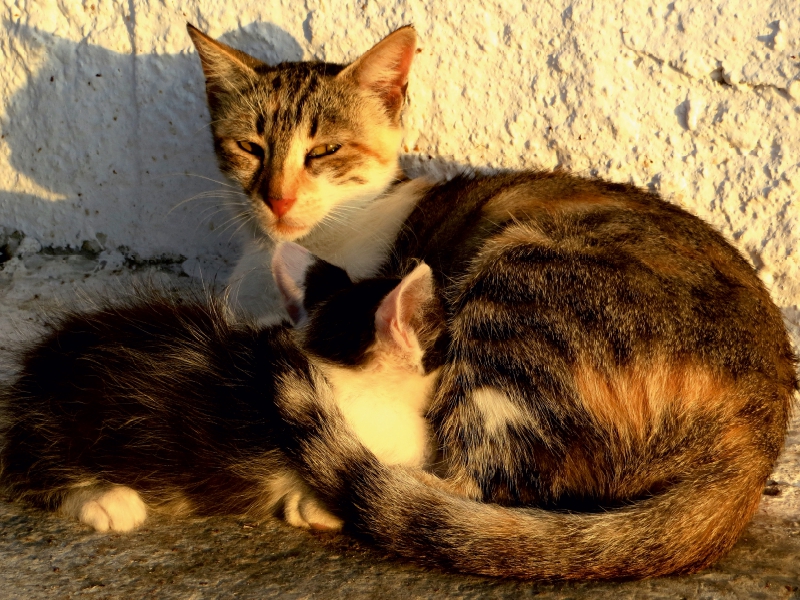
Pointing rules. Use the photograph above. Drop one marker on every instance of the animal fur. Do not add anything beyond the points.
(615, 382)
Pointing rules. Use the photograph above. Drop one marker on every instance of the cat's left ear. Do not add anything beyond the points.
(401, 313)
(289, 265)
(304, 280)
(383, 69)
(226, 69)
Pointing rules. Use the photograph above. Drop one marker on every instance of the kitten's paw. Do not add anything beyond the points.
(117, 509)
(306, 512)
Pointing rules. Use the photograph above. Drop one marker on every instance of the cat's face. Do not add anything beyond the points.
(306, 141)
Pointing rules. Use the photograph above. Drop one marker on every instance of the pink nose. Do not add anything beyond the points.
(280, 206)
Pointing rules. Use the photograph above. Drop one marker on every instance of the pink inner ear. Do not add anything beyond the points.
(397, 73)
(402, 337)
(387, 324)
(396, 311)
(384, 68)
(289, 265)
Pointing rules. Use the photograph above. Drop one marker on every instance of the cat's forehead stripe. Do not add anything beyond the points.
(312, 131)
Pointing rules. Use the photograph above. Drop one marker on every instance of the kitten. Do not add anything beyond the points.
(615, 382)
(165, 403)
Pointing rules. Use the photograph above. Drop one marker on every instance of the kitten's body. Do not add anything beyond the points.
(605, 352)
(166, 403)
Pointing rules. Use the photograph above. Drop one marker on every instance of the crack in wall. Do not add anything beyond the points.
(717, 75)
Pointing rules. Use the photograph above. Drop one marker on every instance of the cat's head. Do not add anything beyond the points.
(305, 138)
(354, 324)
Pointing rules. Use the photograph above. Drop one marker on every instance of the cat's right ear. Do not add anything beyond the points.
(226, 69)
(383, 69)
(401, 313)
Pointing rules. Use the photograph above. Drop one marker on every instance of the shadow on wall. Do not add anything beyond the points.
(123, 142)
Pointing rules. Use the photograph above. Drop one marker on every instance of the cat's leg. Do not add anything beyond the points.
(117, 508)
(251, 288)
(301, 507)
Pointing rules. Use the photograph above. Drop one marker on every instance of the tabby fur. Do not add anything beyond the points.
(615, 382)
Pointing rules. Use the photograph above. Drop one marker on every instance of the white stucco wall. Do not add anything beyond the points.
(103, 117)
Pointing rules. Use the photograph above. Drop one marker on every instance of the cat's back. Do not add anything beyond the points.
(159, 386)
(152, 339)
(590, 259)
(591, 322)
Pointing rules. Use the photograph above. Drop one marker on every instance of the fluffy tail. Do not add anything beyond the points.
(684, 529)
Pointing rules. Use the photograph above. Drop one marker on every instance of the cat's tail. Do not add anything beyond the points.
(683, 529)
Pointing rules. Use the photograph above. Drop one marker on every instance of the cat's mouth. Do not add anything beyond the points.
(286, 230)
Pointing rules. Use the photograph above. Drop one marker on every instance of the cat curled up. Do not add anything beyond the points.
(165, 403)
(613, 382)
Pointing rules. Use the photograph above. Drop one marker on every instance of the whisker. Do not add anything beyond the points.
(203, 177)
(210, 195)
(235, 231)
(225, 225)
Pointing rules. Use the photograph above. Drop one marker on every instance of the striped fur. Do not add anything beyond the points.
(615, 388)
(614, 380)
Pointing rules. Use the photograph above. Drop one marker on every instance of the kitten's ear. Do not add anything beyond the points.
(304, 280)
(290, 262)
(401, 311)
(384, 68)
(225, 68)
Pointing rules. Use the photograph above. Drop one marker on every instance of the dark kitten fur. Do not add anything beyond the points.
(166, 403)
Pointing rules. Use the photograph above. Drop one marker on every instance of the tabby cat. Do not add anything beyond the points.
(614, 382)
(165, 403)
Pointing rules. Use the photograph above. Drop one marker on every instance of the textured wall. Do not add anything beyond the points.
(103, 120)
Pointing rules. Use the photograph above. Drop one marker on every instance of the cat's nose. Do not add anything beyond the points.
(280, 206)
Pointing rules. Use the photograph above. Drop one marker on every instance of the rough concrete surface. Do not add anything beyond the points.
(106, 169)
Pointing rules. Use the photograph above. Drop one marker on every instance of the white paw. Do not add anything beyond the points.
(117, 509)
(306, 512)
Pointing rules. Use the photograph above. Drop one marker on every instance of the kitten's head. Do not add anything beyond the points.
(304, 138)
(354, 324)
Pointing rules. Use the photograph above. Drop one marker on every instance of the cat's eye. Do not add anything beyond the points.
(323, 150)
(251, 148)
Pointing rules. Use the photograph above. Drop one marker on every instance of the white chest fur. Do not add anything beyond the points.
(386, 410)
(359, 245)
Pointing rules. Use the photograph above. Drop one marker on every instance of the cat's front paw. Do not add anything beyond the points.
(116, 509)
(306, 512)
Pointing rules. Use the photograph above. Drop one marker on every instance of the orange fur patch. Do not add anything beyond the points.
(634, 398)
(525, 201)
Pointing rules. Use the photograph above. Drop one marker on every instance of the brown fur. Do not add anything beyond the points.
(615, 381)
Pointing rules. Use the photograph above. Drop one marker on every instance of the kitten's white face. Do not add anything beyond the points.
(307, 142)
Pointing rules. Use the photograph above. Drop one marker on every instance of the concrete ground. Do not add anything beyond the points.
(44, 556)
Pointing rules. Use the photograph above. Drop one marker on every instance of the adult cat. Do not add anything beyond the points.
(165, 403)
(609, 361)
